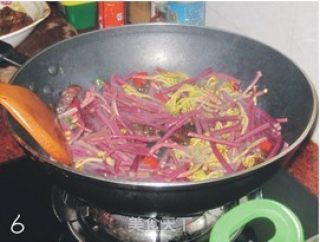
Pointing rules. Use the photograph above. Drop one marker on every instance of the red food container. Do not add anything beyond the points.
(111, 14)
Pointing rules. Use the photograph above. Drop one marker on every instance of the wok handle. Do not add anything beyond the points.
(9, 55)
(287, 225)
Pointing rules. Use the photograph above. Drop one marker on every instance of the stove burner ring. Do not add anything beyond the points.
(139, 229)
(91, 224)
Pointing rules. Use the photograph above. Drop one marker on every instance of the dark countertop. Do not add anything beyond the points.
(304, 166)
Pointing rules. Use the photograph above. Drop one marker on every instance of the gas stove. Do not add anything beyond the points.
(88, 223)
(33, 209)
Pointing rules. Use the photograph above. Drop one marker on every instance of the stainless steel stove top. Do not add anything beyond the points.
(86, 222)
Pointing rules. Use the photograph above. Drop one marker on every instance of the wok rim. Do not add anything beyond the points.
(134, 185)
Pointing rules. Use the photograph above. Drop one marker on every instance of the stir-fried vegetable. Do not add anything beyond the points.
(166, 126)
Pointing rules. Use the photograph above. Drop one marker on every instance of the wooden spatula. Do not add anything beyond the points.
(37, 118)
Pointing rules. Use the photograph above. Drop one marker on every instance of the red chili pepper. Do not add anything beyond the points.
(151, 161)
(139, 80)
(266, 146)
(161, 97)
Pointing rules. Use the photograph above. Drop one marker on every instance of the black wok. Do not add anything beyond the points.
(189, 49)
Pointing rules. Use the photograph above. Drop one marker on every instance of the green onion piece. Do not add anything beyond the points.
(99, 83)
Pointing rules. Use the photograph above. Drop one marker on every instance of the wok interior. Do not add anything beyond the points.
(178, 48)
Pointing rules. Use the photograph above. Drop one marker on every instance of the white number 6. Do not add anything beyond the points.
(17, 227)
